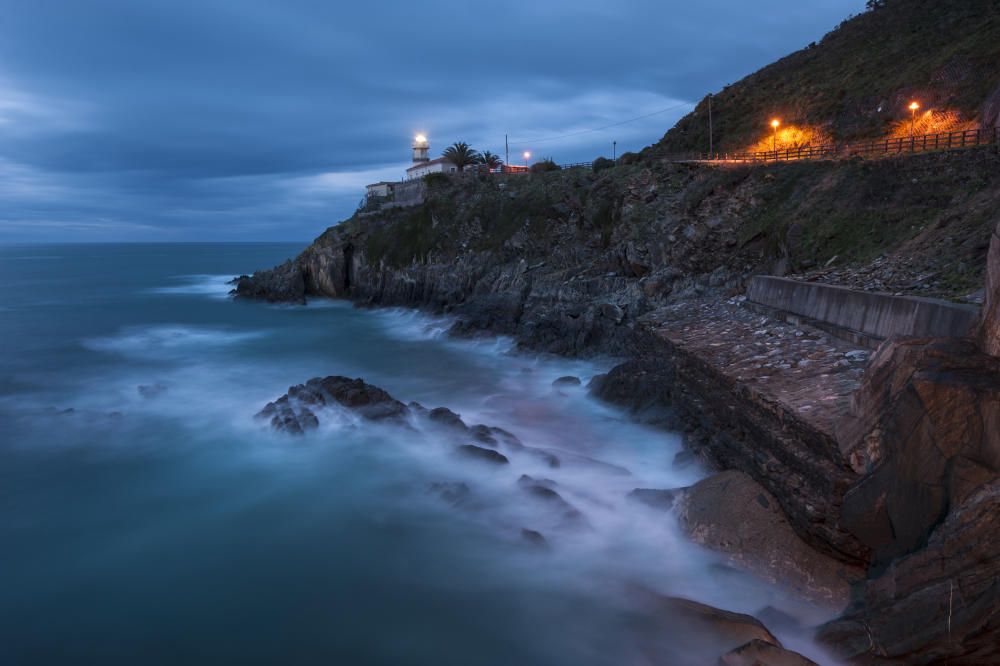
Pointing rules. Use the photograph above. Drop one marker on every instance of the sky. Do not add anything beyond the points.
(257, 120)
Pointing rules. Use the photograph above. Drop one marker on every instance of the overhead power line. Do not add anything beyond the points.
(599, 129)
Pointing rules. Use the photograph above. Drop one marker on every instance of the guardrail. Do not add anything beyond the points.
(923, 143)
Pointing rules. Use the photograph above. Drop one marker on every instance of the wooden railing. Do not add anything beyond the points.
(876, 148)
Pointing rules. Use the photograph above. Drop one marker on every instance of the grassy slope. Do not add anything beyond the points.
(943, 52)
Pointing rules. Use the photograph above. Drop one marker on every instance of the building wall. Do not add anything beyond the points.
(421, 170)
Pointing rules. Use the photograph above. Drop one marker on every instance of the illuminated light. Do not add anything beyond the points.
(775, 123)
(914, 106)
(527, 155)
(420, 138)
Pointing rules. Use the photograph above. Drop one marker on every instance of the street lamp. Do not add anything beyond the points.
(774, 138)
(913, 116)
(527, 156)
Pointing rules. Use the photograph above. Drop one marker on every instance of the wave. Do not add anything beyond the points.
(158, 340)
(216, 286)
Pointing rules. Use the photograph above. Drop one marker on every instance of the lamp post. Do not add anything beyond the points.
(774, 137)
(614, 151)
(527, 156)
(913, 116)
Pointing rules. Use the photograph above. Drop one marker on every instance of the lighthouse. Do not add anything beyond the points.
(420, 149)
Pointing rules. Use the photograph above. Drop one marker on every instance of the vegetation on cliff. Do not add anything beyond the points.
(858, 81)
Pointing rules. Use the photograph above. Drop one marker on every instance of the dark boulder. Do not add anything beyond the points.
(534, 538)
(486, 455)
(761, 653)
(568, 380)
(658, 499)
(731, 513)
(293, 412)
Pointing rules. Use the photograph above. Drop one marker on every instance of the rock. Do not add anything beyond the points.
(544, 492)
(452, 492)
(285, 283)
(486, 455)
(612, 312)
(567, 381)
(940, 604)
(684, 459)
(534, 538)
(658, 499)
(292, 413)
(924, 428)
(989, 334)
(761, 653)
(681, 631)
(446, 417)
(731, 513)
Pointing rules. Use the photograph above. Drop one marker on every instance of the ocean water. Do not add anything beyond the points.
(147, 518)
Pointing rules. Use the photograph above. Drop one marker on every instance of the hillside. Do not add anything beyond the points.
(858, 81)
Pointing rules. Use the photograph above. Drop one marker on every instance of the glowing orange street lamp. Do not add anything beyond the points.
(527, 156)
(774, 139)
(913, 116)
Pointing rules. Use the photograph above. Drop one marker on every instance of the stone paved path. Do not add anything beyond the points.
(800, 368)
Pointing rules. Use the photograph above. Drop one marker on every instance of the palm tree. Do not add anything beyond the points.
(461, 155)
(490, 160)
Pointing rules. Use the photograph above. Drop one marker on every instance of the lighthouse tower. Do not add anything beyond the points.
(420, 149)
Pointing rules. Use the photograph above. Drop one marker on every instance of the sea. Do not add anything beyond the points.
(147, 516)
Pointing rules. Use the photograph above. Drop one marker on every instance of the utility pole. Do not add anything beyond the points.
(711, 139)
(506, 150)
(614, 151)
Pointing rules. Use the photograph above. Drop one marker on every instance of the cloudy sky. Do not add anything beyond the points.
(175, 120)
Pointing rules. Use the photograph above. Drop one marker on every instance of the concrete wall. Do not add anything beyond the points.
(865, 317)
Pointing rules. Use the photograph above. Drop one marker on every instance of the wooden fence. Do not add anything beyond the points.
(876, 148)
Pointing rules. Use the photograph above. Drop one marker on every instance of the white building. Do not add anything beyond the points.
(382, 189)
(423, 165)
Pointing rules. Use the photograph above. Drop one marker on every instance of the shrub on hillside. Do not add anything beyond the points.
(436, 180)
(629, 158)
(548, 164)
(602, 163)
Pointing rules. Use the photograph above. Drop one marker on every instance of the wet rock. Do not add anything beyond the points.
(761, 653)
(494, 437)
(658, 499)
(293, 412)
(684, 459)
(446, 417)
(534, 538)
(568, 380)
(285, 283)
(479, 453)
(543, 491)
(680, 631)
(452, 492)
(731, 513)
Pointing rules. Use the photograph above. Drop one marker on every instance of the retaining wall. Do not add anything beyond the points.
(865, 318)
